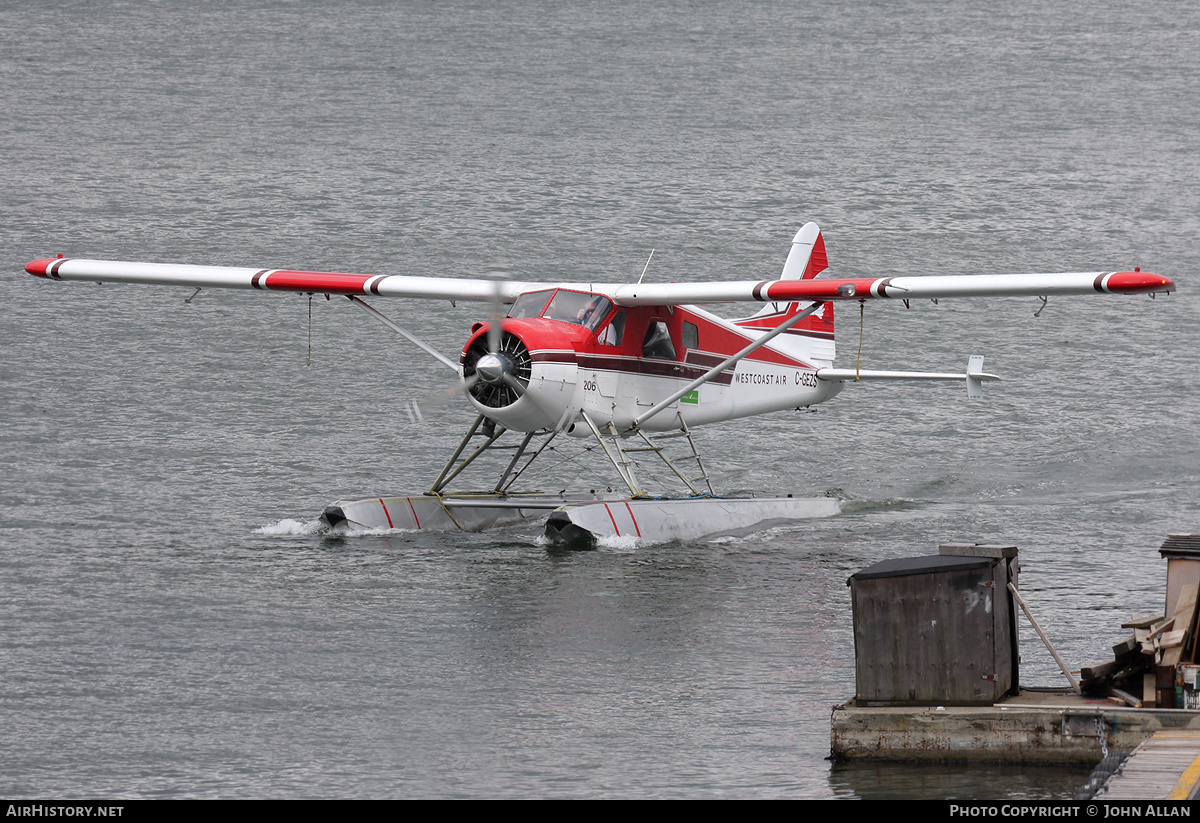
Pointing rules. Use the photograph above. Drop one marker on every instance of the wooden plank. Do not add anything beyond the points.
(1118, 696)
(1111, 669)
(1132, 644)
(1185, 608)
(1181, 625)
(1167, 766)
(1141, 622)
(1101, 671)
(1186, 604)
(1169, 639)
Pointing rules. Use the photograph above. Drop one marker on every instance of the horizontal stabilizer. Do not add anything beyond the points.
(975, 376)
(835, 375)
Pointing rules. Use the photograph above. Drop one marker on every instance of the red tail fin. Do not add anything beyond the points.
(806, 260)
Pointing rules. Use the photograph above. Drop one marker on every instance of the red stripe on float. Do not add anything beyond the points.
(416, 519)
(385, 513)
(613, 519)
(634, 519)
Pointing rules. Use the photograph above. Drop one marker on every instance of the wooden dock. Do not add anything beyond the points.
(1032, 727)
(1165, 767)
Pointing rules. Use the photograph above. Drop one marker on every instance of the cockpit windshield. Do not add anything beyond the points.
(580, 308)
(530, 304)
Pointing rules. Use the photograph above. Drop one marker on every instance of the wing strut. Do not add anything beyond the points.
(726, 363)
(450, 471)
(378, 315)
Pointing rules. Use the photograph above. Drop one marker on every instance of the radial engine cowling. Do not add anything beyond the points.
(531, 380)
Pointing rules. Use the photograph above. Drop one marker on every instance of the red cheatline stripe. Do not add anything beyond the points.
(385, 511)
(634, 519)
(613, 519)
(414, 511)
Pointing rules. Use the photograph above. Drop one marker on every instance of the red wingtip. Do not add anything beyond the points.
(38, 268)
(1138, 282)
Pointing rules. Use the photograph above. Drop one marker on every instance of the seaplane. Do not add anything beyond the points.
(634, 367)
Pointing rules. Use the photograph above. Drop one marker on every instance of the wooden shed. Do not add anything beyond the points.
(936, 630)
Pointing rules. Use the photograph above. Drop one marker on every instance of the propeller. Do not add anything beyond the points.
(498, 376)
(502, 366)
(496, 368)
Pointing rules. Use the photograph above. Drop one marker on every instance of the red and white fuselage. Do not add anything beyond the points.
(634, 358)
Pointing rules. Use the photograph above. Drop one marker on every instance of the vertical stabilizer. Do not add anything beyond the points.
(811, 338)
(807, 258)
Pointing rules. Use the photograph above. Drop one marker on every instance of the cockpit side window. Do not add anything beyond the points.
(614, 332)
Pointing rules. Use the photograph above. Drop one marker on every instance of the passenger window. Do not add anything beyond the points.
(657, 343)
(691, 335)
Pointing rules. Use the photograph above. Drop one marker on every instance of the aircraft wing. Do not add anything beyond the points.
(648, 294)
(903, 288)
(317, 282)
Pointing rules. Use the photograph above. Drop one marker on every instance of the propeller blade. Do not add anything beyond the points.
(424, 407)
(496, 326)
(418, 410)
(522, 391)
(514, 384)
